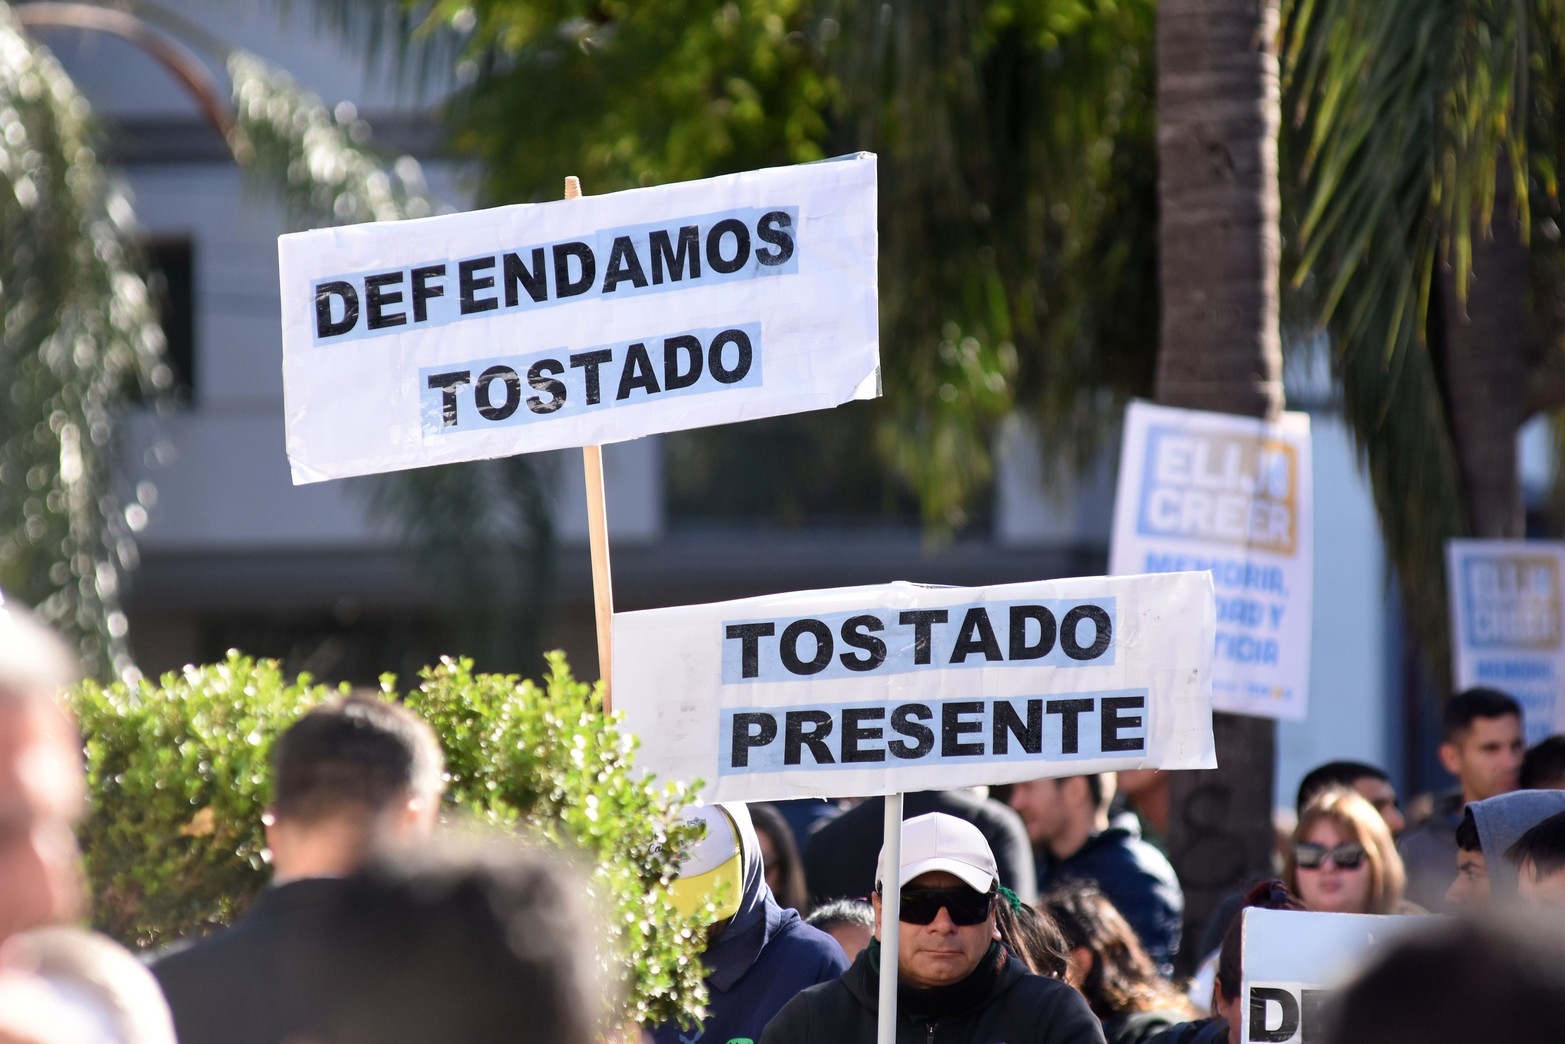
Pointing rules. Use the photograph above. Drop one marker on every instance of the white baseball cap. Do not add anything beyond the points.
(936, 841)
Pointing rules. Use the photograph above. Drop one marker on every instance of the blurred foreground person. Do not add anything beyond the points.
(758, 955)
(1111, 969)
(956, 983)
(67, 986)
(353, 775)
(1459, 981)
(1342, 859)
(452, 944)
(41, 777)
(1488, 829)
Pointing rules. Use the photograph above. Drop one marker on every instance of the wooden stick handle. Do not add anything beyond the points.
(598, 539)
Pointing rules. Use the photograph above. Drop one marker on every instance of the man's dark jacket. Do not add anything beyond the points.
(1135, 877)
(1001, 1002)
(234, 987)
(839, 861)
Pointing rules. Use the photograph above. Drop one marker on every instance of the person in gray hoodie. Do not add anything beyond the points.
(1499, 822)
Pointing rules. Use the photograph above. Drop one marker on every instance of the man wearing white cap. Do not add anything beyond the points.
(956, 983)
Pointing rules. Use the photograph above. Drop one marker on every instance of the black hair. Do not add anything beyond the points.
(1335, 774)
(1543, 766)
(1467, 839)
(1270, 894)
(792, 891)
(457, 943)
(1123, 979)
(1470, 704)
(358, 754)
(1032, 935)
(1455, 980)
(1542, 847)
(840, 912)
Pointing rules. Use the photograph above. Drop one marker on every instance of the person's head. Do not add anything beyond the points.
(453, 942)
(42, 784)
(1270, 894)
(1373, 785)
(1471, 885)
(1060, 814)
(1498, 822)
(1032, 936)
(1543, 766)
(1342, 859)
(1482, 745)
(1108, 964)
(1539, 859)
(356, 772)
(723, 867)
(1455, 980)
(98, 981)
(948, 882)
(849, 921)
(780, 857)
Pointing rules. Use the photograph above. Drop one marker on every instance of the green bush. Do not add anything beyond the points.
(178, 776)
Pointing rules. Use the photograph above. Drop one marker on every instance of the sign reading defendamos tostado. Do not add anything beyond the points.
(579, 322)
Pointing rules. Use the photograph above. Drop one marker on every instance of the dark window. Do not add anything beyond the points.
(170, 278)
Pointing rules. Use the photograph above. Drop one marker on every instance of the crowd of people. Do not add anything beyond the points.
(1044, 911)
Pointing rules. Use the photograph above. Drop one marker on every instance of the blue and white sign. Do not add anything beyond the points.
(875, 690)
(1506, 624)
(579, 322)
(1231, 496)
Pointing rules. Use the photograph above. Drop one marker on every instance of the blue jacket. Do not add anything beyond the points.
(762, 958)
(1135, 877)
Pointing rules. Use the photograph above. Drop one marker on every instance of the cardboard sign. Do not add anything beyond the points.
(579, 322)
(1293, 960)
(1230, 495)
(875, 690)
(1505, 624)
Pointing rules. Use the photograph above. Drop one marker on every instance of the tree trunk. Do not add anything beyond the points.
(1486, 356)
(1219, 249)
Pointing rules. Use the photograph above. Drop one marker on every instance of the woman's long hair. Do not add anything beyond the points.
(1123, 979)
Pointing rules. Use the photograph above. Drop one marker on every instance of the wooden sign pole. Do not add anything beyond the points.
(598, 537)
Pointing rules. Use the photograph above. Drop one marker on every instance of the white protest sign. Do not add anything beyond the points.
(579, 322)
(1505, 623)
(901, 687)
(1292, 960)
(1231, 495)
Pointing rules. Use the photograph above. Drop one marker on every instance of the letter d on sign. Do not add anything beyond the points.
(1287, 1026)
(325, 325)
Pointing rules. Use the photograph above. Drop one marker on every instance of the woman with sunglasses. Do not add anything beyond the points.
(1342, 859)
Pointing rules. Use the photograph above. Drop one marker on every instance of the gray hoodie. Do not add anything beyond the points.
(1501, 821)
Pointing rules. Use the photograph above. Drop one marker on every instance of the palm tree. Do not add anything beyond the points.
(1220, 349)
(1425, 149)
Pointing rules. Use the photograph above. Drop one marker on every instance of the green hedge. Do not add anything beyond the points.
(178, 776)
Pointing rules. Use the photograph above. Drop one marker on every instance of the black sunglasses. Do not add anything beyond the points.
(964, 905)
(1309, 855)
